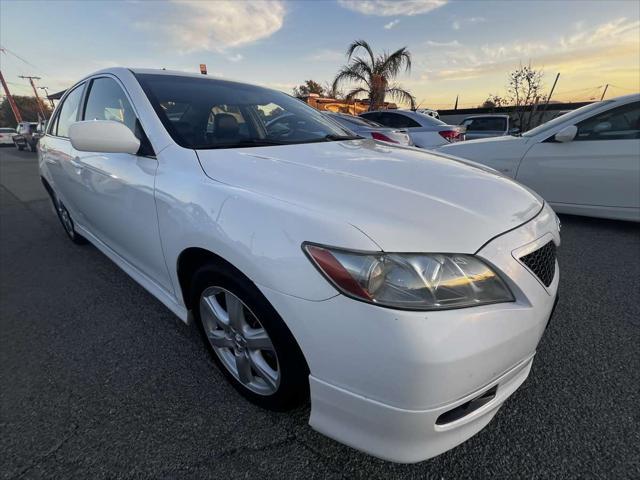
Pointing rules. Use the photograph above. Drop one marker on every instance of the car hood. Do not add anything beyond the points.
(404, 199)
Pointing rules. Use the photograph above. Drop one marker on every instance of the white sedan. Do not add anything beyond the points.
(6, 136)
(586, 162)
(312, 262)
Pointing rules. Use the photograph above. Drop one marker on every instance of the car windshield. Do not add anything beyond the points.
(567, 117)
(205, 113)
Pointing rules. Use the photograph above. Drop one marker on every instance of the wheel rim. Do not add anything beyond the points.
(240, 341)
(65, 218)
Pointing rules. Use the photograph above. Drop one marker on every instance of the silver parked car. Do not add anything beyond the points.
(425, 131)
(368, 129)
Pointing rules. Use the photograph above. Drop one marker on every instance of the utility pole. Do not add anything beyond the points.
(12, 103)
(47, 94)
(605, 91)
(542, 112)
(456, 105)
(35, 91)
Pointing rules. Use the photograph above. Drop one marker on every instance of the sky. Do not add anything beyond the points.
(459, 48)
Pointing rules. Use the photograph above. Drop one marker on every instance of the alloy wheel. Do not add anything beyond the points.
(239, 340)
(65, 218)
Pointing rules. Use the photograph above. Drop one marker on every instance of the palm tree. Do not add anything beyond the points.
(375, 73)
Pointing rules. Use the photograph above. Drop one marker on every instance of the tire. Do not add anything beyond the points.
(67, 222)
(218, 284)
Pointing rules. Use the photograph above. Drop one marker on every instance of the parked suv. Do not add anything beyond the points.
(402, 292)
(485, 126)
(28, 135)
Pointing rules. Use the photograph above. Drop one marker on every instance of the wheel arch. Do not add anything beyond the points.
(192, 258)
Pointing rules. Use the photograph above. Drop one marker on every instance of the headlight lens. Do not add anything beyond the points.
(432, 281)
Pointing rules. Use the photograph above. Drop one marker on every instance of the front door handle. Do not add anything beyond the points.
(76, 163)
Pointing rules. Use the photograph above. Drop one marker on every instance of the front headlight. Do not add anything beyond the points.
(416, 281)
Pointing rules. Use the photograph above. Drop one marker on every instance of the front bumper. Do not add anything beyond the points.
(381, 378)
(400, 435)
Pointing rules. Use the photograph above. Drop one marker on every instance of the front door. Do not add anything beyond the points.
(118, 202)
(600, 167)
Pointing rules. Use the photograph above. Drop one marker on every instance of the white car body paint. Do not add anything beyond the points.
(599, 178)
(255, 206)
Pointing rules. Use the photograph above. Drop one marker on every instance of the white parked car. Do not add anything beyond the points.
(425, 131)
(402, 292)
(586, 162)
(6, 136)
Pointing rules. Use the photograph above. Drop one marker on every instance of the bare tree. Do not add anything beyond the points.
(494, 101)
(524, 92)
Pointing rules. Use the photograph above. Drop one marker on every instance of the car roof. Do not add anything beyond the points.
(178, 73)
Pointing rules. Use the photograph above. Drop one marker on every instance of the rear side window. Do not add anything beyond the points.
(373, 116)
(107, 101)
(68, 112)
(397, 120)
(622, 123)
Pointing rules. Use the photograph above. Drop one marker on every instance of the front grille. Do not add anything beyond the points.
(542, 262)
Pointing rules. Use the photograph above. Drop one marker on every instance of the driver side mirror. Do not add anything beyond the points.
(105, 136)
(567, 134)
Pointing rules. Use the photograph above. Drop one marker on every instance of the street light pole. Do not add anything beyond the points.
(47, 94)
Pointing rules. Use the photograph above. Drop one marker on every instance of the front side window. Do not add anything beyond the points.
(622, 123)
(567, 117)
(107, 101)
(68, 112)
(204, 113)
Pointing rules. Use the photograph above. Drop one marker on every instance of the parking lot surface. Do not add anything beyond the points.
(99, 380)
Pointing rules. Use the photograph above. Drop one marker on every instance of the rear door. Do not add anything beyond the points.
(56, 156)
(600, 167)
(422, 135)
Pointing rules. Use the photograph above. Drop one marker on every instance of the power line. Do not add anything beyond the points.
(6, 50)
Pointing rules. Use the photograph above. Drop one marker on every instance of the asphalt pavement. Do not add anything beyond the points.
(99, 380)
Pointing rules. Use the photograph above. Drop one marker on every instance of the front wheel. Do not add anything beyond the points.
(248, 340)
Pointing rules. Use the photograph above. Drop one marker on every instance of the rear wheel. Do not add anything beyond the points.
(67, 222)
(248, 340)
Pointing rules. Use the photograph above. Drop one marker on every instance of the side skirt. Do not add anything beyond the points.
(152, 287)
